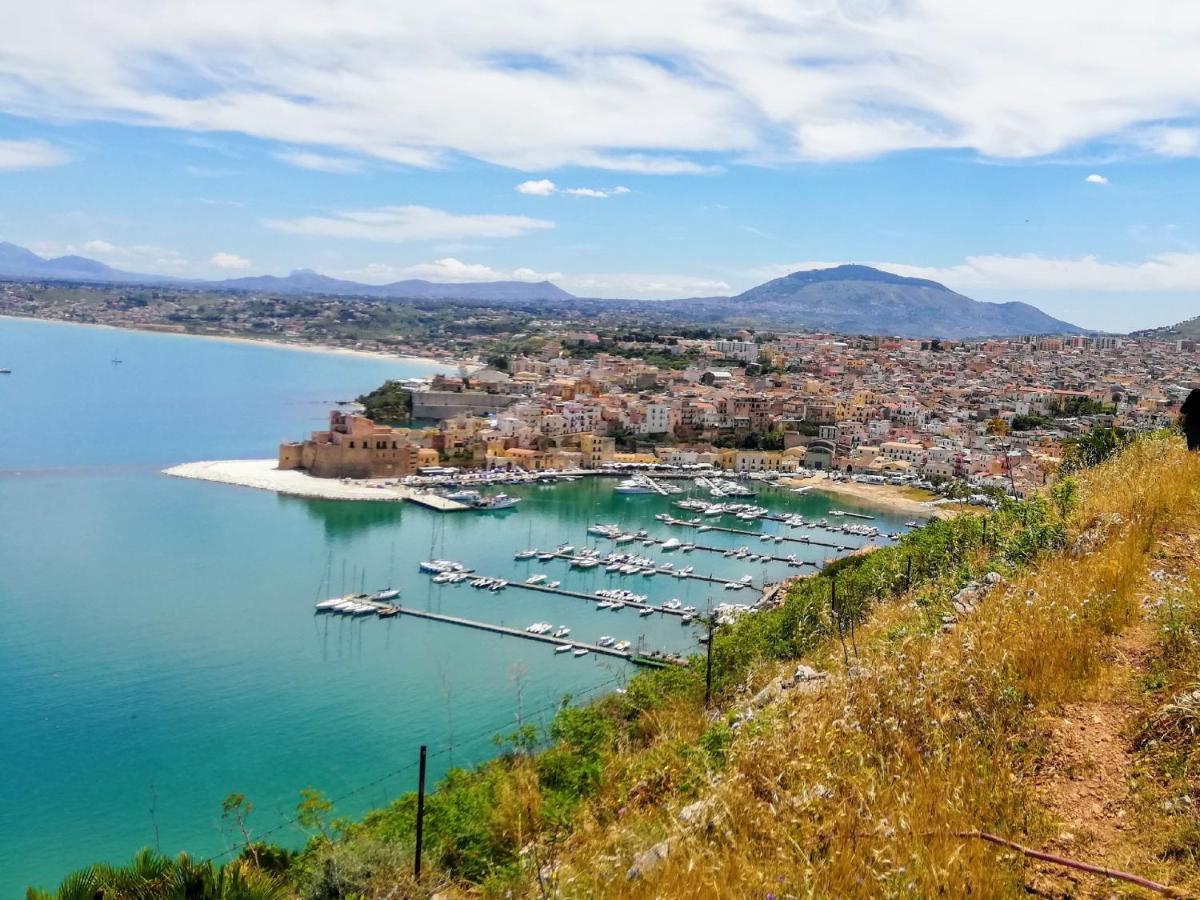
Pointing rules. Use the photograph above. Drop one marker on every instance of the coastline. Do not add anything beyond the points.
(264, 475)
(885, 496)
(326, 349)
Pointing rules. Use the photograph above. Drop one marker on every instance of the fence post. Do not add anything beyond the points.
(708, 663)
(420, 815)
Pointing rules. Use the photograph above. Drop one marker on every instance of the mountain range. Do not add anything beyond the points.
(848, 299)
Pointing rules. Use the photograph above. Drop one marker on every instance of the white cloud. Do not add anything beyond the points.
(622, 85)
(1161, 273)
(545, 188)
(631, 285)
(542, 188)
(137, 257)
(30, 154)
(1168, 140)
(320, 162)
(596, 192)
(1096, 178)
(625, 285)
(229, 261)
(409, 223)
(447, 269)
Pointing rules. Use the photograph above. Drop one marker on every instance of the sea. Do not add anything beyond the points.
(158, 644)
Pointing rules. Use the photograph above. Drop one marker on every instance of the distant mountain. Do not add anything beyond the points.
(306, 281)
(18, 263)
(863, 300)
(1188, 330)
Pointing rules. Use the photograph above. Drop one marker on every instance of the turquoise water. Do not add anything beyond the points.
(158, 648)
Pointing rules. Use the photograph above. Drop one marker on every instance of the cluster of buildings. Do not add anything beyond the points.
(988, 412)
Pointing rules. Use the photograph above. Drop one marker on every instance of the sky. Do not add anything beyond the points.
(1046, 152)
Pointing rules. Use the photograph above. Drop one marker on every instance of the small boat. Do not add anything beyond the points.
(443, 577)
(545, 557)
(645, 612)
(605, 641)
(385, 595)
(525, 554)
(564, 648)
(623, 538)
(562, 631)
(553, 584)
(581, 651)
(5, 371)
(533, 579)
(671, 544)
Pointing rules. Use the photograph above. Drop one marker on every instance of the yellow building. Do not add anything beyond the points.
(597, 451)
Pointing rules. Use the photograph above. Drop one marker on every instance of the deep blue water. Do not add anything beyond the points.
(158, 648)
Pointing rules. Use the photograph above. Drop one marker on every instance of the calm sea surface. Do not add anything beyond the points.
(158, 648)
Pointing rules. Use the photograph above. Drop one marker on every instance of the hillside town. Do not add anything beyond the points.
(992, 413)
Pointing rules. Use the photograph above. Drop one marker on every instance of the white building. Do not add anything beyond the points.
(746, 351)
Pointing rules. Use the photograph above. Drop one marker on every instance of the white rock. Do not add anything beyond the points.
(649, 860)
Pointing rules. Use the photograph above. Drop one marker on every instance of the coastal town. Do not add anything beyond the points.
(994, 413)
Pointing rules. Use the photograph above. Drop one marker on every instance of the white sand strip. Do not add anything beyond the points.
(264, 475)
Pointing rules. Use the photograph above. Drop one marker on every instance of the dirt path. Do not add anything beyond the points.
(1084, 782)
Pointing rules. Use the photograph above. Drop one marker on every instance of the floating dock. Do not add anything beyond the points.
(722, 550)
(755, 534)
(386, 610)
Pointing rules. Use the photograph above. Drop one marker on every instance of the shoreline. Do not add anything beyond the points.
(326, 349)
(264, 475)
(884, 496)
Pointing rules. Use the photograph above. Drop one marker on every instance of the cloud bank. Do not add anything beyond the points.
(642, 87)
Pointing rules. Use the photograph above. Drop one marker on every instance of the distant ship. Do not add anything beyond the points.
(5, 371)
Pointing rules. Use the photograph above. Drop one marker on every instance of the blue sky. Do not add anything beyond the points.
(623, 149)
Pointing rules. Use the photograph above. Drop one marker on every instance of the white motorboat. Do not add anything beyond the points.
(564, 648)
(633, 486)
(535, 579)
(525, 554)
(386, 594)
(671, 544)
(581, 651)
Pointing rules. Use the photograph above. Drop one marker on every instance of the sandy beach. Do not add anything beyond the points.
(264, 475)
(447, 364)
(885, 496)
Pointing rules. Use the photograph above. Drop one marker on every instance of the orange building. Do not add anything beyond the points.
(353, 447)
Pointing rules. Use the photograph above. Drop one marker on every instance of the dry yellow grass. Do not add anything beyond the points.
(859, 789)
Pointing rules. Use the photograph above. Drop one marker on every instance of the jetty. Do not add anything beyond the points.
(663, 570)
(722, 550)
(754, 534)
(436, 502)
(658, 660)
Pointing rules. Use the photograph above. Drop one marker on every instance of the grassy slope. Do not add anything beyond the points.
(858, 790)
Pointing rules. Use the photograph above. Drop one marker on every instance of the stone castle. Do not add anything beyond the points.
(355, 447)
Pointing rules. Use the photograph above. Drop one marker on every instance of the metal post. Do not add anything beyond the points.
(708, 663)
(420, 815)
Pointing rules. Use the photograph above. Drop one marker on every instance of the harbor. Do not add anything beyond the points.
(592, 577)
